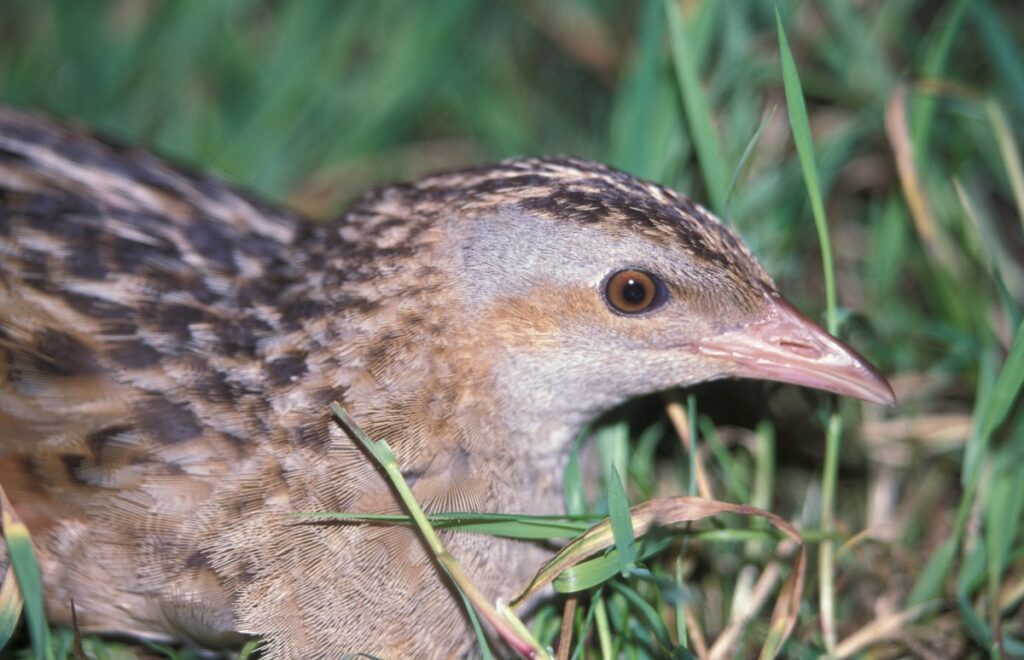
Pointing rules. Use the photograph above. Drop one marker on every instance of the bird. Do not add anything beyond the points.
(170, 346)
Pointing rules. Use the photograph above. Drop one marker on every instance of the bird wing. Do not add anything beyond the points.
(135, 305)
(167, 354)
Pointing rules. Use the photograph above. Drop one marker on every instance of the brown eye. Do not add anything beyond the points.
(634, 291)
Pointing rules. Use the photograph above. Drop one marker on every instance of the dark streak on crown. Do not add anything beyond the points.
(583, 192)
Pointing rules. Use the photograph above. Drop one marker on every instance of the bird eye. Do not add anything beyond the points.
(634, 291)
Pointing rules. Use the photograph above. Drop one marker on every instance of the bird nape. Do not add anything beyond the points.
(169, 348)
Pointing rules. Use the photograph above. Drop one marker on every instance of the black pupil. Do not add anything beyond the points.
(634, 292)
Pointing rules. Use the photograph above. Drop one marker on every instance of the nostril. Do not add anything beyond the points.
(799, 347)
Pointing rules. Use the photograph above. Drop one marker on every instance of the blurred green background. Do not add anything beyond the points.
(309, 103)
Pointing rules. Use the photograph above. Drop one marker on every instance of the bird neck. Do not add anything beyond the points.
(438, 407)
(415, 372)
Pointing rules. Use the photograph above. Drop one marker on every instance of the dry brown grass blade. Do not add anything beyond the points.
(697, 641)
(1008, 149)
(1001, 262)
(946, 430)
(787, 606)
(11, 604)
(724, 644)
(882, 628)
(670, 511)
(898, 131)
(77, 650)
(1011, 594)
(565, 637)
(681, 422)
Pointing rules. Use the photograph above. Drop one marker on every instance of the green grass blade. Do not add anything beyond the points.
(250, 648)
(826, 550)
(651, 619)
(644, 126)
(613, 448)
(931, 580)
(526, 530)
(23, 559)
(572, 481)
(971, 573)
(735, 484)
(680, 613)
(731, 535)
(604, 635)
(1003, 514)
(622, 526)
(1004, 394)
(698, 111)
(588, 574)
(922, 113)
(764, 455)
(507, 625)
(593, 572)
(747, 153)
(495, 524)
(995, 399)
(1003, 50)
(478, 630)
(588, 624)
(801, 128)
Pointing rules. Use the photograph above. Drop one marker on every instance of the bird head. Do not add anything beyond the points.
(580, 286)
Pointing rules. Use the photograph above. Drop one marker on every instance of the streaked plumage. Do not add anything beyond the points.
(168, 349)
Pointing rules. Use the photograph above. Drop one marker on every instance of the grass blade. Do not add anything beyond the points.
(651, 618)
(1002, 49)
(1003, 513)
(805, 150)
(1009, 152)
(495, 524)
(748, 151)
(801, 128)
(23, 560)
(668, 511)
(698, 111)
(1006, 391)
(604, 635)
(622, 527)
(923, 112)
(10, 605)
(594, 572)
(500, 617)
(572, 482)
(929, 583)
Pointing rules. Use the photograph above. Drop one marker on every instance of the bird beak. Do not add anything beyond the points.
(784, 345)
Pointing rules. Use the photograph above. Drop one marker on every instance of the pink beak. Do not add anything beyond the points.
(786, 346)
